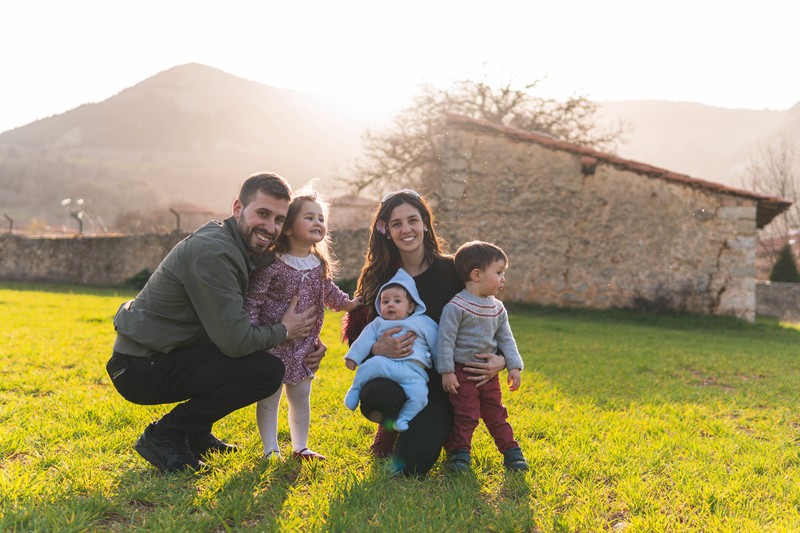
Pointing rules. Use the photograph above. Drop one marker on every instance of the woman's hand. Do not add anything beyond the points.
(483, 372)
(313, 359)
(395, 347)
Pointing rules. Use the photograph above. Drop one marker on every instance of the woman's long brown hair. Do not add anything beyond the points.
(382, 256)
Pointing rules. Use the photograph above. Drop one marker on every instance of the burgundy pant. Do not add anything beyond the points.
(474, 403)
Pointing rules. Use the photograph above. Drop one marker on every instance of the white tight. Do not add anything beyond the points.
(298, 396)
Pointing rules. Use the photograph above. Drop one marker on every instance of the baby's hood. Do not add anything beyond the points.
(403, 278)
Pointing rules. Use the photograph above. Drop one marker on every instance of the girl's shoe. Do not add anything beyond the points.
(514, 460)
(383, 444)
(308, 455)
(273, 455)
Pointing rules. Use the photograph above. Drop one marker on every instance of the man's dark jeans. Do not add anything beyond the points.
(211, 384)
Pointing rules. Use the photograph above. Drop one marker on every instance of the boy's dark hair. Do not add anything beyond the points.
(266, 182)
(477, 254)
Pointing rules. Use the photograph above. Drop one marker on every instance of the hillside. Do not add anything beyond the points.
(711, 143)
(190, 133)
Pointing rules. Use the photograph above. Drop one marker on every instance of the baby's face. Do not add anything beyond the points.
(395, 304)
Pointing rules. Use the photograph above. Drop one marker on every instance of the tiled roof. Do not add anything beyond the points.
(768, 207)
(354, 201)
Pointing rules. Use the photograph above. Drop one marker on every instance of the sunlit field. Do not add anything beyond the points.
(629, 422)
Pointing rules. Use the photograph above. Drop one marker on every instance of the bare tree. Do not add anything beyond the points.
(408, 150)
(775, 171)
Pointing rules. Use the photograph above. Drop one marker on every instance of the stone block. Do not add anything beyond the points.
(741, 243)
(737, 213)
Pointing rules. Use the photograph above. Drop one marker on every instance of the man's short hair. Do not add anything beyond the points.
(477, 254)
(266, 182)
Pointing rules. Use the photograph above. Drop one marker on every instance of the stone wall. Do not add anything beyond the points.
(578, 232)
(82, 260)
(105, 261)
(608, 237)
(350, 245)
(778, 300)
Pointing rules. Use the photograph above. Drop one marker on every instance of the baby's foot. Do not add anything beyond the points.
(351, 400)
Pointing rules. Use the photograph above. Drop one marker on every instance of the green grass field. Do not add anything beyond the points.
(629, 422)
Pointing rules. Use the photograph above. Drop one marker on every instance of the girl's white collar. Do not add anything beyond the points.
(300, 263)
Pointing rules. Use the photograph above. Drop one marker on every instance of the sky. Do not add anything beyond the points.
(56, 55)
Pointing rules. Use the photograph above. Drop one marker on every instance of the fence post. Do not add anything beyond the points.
(177, 219)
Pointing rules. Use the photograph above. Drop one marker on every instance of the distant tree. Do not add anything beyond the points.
(785, 268)
(775, 171)
(408, 151)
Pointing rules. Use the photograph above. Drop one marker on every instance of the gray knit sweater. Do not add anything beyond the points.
(471, 325)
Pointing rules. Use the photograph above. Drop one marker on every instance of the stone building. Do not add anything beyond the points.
(351, 212)
(585, 228)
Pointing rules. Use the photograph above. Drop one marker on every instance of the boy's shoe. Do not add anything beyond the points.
(204, 443)
(308, 455)
(383, 443)
(166, 454)
(514, 460)
(459, 460)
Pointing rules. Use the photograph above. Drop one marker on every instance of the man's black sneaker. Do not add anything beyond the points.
(203, 443)
(164, 453)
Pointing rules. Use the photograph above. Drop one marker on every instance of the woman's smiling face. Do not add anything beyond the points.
(406, 228)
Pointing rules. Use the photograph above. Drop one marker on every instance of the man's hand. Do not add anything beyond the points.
(394, 347)
(298, 326)
(350, 364)
(450, 383)
(313, 359)
(483, 372)
(514, 379)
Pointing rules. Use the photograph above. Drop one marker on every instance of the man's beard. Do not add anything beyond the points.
(248, 235)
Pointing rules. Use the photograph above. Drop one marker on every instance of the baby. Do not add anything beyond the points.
(398, 304)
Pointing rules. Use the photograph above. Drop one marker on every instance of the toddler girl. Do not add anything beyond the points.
(303, 268)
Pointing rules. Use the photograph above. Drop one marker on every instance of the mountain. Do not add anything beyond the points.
(189, 134)
(706, 142)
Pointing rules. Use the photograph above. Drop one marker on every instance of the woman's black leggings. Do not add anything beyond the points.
(417, 449)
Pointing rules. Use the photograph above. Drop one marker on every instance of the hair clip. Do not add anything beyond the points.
(391, 195)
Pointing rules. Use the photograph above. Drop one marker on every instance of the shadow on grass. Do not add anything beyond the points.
(385, 502)
(201, 501)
